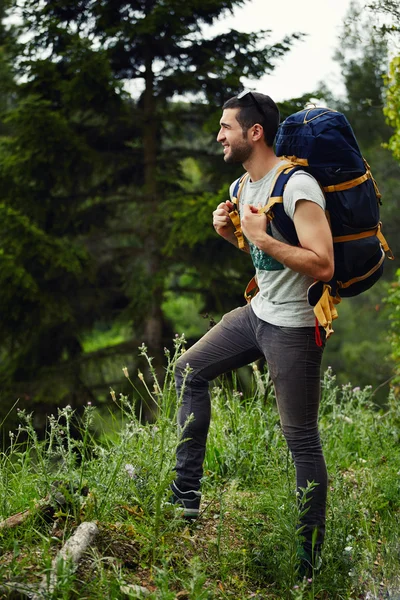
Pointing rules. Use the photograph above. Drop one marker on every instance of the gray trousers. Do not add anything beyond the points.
(294, 364)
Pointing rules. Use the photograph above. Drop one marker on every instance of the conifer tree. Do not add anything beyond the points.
(91, 178)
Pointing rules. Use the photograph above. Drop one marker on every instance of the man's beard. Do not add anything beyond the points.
(239, 153)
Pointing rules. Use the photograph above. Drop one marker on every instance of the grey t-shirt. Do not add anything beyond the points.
(282, 299)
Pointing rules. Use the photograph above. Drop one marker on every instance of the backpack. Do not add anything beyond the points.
(321, 142)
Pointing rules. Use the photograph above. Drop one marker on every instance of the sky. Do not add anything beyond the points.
(311, 60)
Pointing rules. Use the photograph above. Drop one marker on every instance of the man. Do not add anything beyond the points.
(278, 324)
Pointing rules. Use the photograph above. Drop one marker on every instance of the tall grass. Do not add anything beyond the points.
(244, 544)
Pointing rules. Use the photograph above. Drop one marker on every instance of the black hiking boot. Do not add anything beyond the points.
(189, 501)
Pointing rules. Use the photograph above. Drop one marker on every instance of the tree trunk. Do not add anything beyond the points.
(153, 321)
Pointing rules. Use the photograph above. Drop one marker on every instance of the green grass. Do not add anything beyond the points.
(244, 544)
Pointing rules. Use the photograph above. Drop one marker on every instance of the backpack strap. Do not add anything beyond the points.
(283, 223)
(251, 289)
(274, 207)
(325, 308)
(235, 215)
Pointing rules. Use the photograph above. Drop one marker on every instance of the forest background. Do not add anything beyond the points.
(106, 199)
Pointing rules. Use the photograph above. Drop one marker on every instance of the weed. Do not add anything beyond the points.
(245, 543)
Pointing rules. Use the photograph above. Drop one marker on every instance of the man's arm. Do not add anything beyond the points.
(223, 224)
(315, 256)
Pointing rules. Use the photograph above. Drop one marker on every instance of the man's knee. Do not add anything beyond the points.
(302, 441)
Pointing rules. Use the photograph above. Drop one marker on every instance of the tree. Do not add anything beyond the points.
(390, 29)
(59, 158)
(392, 108)
(363, 57)
(393, 301)
(8, 45)
(93, 182)
(359, 351)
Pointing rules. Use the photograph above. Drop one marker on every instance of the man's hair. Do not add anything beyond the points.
(256, 108)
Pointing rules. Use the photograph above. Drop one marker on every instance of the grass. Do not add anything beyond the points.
(244, 544)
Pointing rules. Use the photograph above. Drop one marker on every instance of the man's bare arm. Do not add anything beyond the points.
(314, 256)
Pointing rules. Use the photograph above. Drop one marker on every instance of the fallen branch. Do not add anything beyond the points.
(70, 553)
(17, 519)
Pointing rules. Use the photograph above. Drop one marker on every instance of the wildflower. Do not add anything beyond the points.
(89, 403)
(140, 375)
(125, 372)
(130, 470)
(356, 389)
(187, 370)
(113, 396)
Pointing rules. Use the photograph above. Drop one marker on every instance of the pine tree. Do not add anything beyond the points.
(91, 178)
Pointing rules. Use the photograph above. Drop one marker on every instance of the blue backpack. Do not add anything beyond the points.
(321, 142)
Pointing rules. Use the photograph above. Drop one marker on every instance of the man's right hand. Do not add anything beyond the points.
(222, 222)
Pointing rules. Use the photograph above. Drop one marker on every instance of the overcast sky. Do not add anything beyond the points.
(310, 61)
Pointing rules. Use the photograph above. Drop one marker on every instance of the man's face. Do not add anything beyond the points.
(237, 149)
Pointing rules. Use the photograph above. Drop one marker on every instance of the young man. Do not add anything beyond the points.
(278, 324)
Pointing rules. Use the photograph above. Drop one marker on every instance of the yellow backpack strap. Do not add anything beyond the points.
(325, 310)
(284, 168)
(235, 217)
(251, 289)
(384, 243)
(347, 185)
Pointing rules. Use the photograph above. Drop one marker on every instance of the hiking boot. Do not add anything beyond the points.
(189, 501)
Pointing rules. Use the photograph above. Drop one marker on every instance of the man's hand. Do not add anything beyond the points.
(254, 224)
(222, 222)
(314, 255)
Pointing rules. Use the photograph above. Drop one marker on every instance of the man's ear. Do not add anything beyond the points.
(257, 132)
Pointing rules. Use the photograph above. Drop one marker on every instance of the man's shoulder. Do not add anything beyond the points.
(305, 182)
(233, 188)
(300, 176)
(302, 186)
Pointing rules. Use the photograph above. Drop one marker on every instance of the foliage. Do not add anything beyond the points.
(392, 107)
(96, 184)
(362, 56)
(390, 10)
(359, 351)
(393, 300)
(51, 176)
(244, 543)
(387, 16)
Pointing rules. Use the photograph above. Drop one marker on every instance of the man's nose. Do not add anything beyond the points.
(220, 135)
